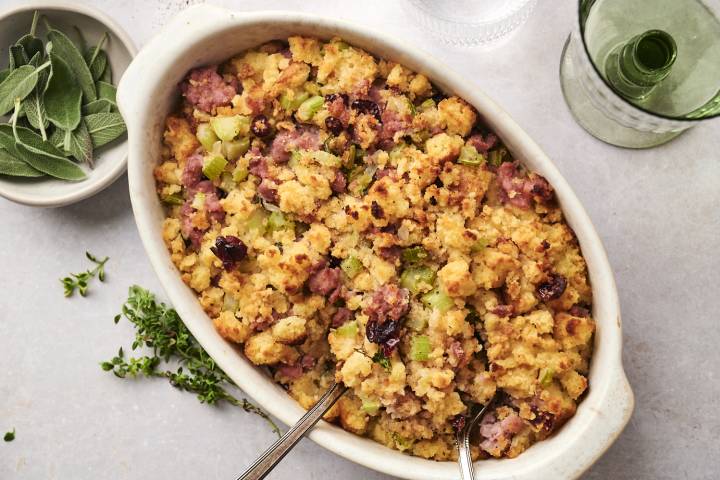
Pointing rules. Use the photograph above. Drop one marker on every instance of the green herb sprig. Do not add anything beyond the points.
(160, 329)
(9, 436)
(378, 358)
(63, 105)
(80, 281)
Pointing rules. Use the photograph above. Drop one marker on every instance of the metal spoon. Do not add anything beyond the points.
(273, 455)
(462, 441)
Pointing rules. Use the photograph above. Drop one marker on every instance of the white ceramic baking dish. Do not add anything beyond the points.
(204, 34)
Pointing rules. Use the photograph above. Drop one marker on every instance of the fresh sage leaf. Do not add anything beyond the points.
(4, 74)
(81, 146)
(53, 164)
(105, 127)
(18, 85)
(106, 91)
(96, 58)
(63, 96)
(65, 49)
(100, 105)
(34, 109)
(81, 39)
(35, 61)
(107, 74)
(10, 165)
(57, 138)
(18, 57)
(31, 44)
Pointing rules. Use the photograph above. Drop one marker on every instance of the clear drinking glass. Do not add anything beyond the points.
(637, 73)
(469, 22)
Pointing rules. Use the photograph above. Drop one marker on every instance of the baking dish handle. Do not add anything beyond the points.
(180, 33)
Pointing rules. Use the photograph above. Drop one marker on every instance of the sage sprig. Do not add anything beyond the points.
(62, 102)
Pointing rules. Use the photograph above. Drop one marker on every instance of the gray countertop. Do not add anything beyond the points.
(657, 211)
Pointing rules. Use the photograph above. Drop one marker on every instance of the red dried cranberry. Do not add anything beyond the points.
(367, 106)
(458, 423)
(230, 250)
(553, 288)
(334, 125)
(261, 126)
(382, 333)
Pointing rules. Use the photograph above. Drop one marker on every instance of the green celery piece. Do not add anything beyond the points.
(326, 159)
(257, 220)
(81, 146)
(348, 329)
(40, 155)
(12, 166)
(307, 110)
(239, 174)
(64, 48)
(101, 105)
(174, 199)
(545, 376)
(278, 221)
(213, 166)
(416, 277)
(106, 91)
(206, 136)
(16, 86)
(105, 127)
(234, 149)
(470, 156)
(415, 254)
(227, 128)
(370, 407)
(292, 104)
(438, 300)
(420, 348)
(351, 266)
(63, 96)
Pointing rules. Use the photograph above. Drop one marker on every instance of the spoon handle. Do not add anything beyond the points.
(273, 455)
(465, 463)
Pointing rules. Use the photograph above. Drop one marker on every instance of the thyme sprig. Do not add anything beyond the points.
(79, 281)
(160, 329)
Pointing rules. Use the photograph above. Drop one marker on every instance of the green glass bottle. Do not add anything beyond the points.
(635, 68)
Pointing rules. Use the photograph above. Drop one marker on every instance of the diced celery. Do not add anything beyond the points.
(479, 245)
(326, 159)
(411, 106)
(174, 199)
(420, 348)
(415, 254)
(362, 177)
(498, 156)
(470, 156)
(438, 300)
(351, 266)
(257, 220)
(239, 174)
(417, 279)
(213, 166)
(226, 182)
(545, 377)
(278, 221)
(370, 407)
(227, 128)
(312, 88)
(401, 443)
(295, 158)
(427, 104)
(230, 303)
(290, 101)
(198, 201)
(234, 149)
(341, 45)
(308, 109)
(349, 329)
(206, 136)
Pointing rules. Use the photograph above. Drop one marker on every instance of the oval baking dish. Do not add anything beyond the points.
(210, 34)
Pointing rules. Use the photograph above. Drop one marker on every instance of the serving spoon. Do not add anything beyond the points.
(284, 444)
(462, 439)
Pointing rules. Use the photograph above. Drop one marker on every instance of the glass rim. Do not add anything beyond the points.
(604, 80)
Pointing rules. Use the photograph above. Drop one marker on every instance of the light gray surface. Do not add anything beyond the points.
(658, 212)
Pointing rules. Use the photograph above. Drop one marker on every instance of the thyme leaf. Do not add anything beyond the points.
(80, 281)
(9, 436)
(160, 329)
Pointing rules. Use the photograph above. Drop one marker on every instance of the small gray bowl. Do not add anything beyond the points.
(111, 159)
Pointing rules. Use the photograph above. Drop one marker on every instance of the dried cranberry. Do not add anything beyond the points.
(334, 125)
(553, 288)
(261, 126)
(458, 423)
(230, 250)
(334, 96)
(382, 333)
(367, 106)
(376, 210)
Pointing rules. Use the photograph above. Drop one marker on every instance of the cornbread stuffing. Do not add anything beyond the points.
(342, 219)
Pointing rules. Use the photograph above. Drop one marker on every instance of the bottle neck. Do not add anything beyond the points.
(635, 68)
